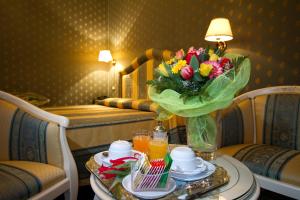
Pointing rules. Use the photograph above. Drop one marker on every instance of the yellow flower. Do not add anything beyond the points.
(210, 52)
(163, 70)
(171, 61)
(205, 69)
(178, 66)
(213, 57)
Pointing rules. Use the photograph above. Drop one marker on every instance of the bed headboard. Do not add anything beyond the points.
(132, 82)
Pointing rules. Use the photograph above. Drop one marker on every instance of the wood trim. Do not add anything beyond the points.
(278, 186)
(268, 90)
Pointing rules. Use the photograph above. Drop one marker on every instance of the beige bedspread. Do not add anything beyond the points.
(94, 125)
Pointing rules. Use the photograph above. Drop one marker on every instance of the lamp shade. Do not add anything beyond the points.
(219, 30)
(105, 56)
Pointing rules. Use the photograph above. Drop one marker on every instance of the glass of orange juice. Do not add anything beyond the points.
(141, 142)
(158, 148)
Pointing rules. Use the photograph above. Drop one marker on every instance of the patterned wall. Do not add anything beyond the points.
(267, 31)
(51, 48)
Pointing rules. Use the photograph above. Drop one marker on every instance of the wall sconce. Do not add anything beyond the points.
(219, 31)
(105, 56)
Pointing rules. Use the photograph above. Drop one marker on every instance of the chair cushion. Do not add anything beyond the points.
(23, 179)
(271, 161)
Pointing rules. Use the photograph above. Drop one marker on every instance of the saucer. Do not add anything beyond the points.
(200, 168)
(103, 158)
(148, 194)
(209, 169)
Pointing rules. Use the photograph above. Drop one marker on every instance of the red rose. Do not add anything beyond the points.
(189, 56)
(225, 61)
(187, 72)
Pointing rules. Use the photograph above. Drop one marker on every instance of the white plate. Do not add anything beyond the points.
(101, 159)
(210, 168)
(148, 194)
(200, 168)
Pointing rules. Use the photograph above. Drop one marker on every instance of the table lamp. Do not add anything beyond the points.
(219, 31)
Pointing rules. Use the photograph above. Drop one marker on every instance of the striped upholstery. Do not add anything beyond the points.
(32, 139)
(233, 126)
(277, 119)
(134, 77)
(28, 138)
(282, 121)
(237, 124)
(268, 160)
(24, 179)
(19, 184)
(137, 104)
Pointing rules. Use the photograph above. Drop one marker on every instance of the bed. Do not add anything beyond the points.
(93, 127)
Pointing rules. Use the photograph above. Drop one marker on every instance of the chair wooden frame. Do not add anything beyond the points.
(69, 185)
(265, 182)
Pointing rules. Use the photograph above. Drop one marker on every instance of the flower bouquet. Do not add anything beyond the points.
(196, 83)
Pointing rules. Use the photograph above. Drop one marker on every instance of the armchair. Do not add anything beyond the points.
(262, 129)
(35, 159)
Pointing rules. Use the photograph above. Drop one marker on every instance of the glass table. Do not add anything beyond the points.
(242, 184)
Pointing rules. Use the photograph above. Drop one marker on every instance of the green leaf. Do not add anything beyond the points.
(194, 63)
(168, 69)
(150, 82)
(203, 57)
(230, 73)
(207, 49)
(197, 76)
(219, 52)
(237, 62)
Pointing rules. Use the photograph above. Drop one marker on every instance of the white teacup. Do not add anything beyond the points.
(119, 149)
(184, 159)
